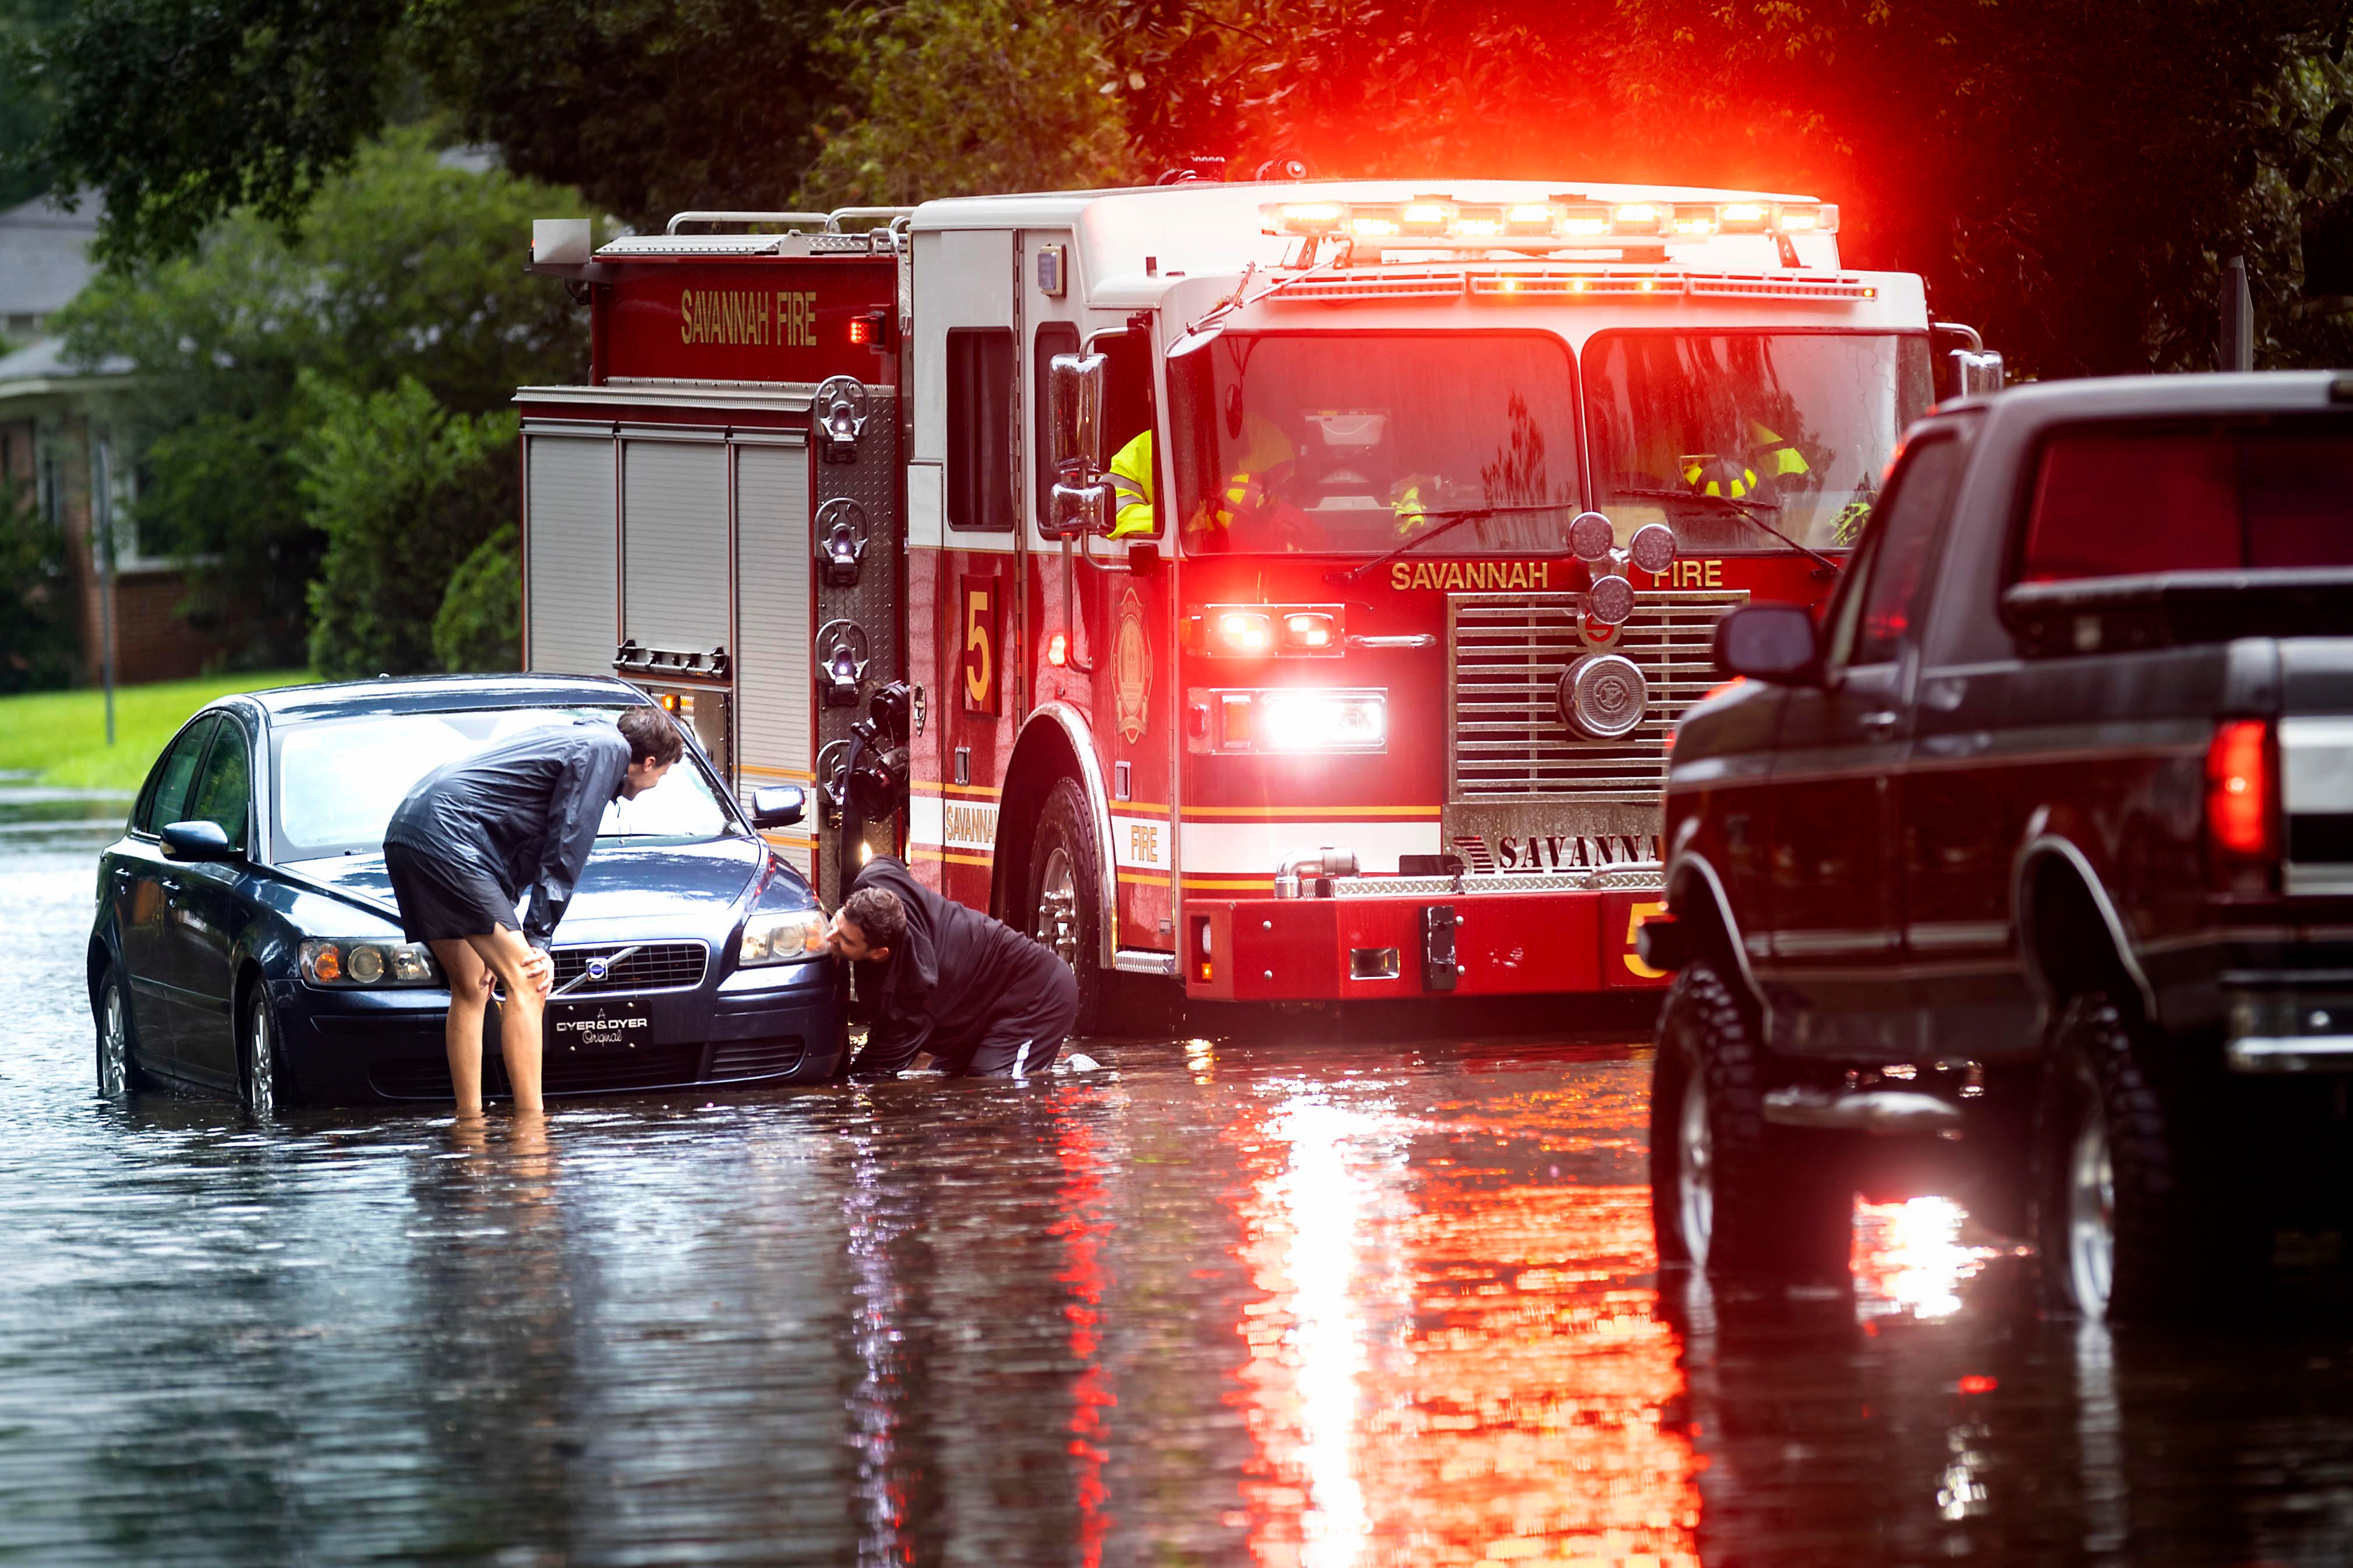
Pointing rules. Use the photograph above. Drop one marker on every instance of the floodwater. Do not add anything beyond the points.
(1229, 1302)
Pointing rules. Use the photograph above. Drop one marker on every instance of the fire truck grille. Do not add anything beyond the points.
(1507, 653)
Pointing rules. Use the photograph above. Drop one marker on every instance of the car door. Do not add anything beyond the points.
(142, 884)
(205, 915)
(1834, 900)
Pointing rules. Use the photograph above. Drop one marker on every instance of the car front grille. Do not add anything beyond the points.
(648, 966)
(770, 1056)
(1506, 653)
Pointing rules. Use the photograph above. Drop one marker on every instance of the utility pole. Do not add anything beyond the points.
(2238, 346)
(101, 513)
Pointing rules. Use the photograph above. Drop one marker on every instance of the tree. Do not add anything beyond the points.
(2068, 174)
(959, 96)
(37, 625)
(26, 105)
(403, 492)
(405, 269)
(480, 623)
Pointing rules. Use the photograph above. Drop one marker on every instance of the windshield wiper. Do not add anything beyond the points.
(1739, 509)
(1455, 518)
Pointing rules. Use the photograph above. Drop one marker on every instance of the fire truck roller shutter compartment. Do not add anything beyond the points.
(570, 550)
(674, 545)
(774, 624)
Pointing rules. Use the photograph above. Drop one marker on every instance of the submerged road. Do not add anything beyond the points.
(1231, 1302)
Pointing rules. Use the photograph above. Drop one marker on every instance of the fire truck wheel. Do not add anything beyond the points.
(2137, 1214)
(1064, 907)
(1729, 1194)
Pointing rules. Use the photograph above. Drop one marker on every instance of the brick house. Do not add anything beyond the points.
(64, 438)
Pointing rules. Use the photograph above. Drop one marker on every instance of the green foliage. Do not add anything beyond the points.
(403, 491)
(183, 112)
(959, 96)
(479, 626)
(36, 622)
(649, 106)
(403, 271)
(26, 105)
(2068, 176)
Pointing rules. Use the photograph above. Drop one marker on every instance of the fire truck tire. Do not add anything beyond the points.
(1731, 1195)
(1062, 907)
(2137, 1216)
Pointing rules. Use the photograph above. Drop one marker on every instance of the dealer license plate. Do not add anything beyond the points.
(597, 1026)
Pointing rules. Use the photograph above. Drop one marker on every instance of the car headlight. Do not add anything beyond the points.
(343, 964)
(784, 936)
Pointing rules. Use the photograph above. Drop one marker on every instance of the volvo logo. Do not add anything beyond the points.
(598, 969)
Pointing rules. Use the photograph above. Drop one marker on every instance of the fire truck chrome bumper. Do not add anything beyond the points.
(1630, 875)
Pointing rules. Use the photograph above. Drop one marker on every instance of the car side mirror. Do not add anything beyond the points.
(1775, 642)
(779, 806)
(198, 841)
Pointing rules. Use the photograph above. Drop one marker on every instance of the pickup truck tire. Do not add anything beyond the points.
(1730, 1194)
(2120, 1232)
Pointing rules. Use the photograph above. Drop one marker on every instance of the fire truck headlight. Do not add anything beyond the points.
(1309, 631)
(1308, 720)
(1244, 631)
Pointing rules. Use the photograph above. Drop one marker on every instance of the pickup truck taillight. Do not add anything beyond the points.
(2242, 807)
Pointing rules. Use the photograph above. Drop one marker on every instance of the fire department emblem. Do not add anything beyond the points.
(1130, 669)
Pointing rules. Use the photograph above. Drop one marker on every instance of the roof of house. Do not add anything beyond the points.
(45, 255)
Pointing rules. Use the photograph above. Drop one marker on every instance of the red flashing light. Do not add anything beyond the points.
(1978, 1383)
(1058, 650)
(862, 332)
(2238, 789)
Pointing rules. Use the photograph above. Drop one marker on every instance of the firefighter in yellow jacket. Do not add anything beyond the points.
(1265, 459)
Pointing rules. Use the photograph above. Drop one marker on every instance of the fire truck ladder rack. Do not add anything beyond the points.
(787, 234)
(1625, 876)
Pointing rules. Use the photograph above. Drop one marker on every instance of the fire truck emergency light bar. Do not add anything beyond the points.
(1442, 218)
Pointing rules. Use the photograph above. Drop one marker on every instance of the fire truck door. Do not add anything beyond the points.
(775, 628)
(963, 556)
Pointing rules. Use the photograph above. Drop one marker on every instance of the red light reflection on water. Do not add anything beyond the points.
(1445, 1368)
(1082, 1226)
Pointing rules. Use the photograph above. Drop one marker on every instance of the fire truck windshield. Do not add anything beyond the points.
(1356, 444)
(1797, 426)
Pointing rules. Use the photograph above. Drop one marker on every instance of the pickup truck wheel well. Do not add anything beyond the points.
(1697, 902)
(2068, 937)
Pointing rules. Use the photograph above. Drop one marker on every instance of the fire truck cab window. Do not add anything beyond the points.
(980, 430)
(1689, 428)
(2117, 502)
(1358, 443)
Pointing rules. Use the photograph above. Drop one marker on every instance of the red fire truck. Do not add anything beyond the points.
(1288, 590)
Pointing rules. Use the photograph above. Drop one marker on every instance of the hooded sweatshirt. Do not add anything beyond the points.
(954, 972)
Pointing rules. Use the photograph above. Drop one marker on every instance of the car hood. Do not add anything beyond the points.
(628, 889)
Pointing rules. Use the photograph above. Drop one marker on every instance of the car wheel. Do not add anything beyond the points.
(262, 1079)
(2120, 1224)
(118, 1043)
(1729, 1194)
(1064, 907)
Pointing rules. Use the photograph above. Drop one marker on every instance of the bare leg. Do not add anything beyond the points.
(525, 974)
(470, 993)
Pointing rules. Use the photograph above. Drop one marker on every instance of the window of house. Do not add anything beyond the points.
(980, 430)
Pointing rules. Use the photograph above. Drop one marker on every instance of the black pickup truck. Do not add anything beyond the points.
(2037, 851)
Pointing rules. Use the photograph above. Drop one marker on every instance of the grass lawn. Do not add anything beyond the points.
(60, 736)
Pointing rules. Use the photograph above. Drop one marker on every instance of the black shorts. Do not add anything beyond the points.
(443, 899)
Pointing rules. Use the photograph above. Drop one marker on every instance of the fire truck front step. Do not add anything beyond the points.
(1381, 948)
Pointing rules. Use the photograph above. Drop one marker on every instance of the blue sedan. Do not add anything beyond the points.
(246, 939)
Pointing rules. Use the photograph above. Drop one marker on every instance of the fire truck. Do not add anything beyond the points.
(1289, 591)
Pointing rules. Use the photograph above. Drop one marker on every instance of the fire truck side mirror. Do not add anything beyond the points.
(1081, 504)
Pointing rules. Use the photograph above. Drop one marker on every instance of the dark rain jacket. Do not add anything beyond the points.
(955, 974)
(524, 813)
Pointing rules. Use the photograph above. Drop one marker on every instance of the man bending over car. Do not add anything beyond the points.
(473, 835)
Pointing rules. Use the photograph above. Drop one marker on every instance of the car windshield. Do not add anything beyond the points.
(1796, 426)
(1356, 444)
(339, 780)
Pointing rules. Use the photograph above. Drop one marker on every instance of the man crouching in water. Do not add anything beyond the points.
(935, 976)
